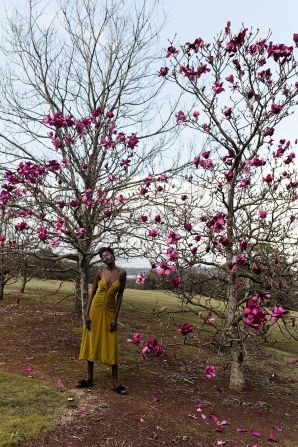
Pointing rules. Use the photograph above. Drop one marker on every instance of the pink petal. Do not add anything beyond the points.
(28, 370)
(155, 398)
(241, 430)
(220, 443)
(199, 408)
(256, 433)
(142, 420)
(59, 383)
(213, 417)
(82, 409)
(277, 428)
(29, 357)
(272, 438)
(192, 416)
(223, 422)
(255, 445)
(203, 416)
(292, 361)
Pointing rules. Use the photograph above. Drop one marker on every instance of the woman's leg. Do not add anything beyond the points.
(115, 375)
(90, 368)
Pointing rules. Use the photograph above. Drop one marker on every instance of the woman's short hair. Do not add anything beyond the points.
(109, 249)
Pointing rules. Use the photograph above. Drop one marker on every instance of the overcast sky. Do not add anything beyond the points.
(189, 19)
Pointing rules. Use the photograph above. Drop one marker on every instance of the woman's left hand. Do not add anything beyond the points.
(113, 326)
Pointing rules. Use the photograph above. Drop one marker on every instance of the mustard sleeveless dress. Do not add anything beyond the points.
(99, 344)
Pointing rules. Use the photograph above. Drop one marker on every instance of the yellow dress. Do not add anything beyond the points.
(99, 344)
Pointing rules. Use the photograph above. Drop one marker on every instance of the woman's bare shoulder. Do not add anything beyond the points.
(122, 273)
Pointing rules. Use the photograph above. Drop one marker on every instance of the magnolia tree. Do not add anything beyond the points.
(77, 100)
(14, 248)
(244, 232)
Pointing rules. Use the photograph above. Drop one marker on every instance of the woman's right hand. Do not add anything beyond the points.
(88, 322)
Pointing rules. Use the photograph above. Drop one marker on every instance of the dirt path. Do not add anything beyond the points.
(106, 419)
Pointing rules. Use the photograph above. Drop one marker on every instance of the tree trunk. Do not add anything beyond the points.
(237, 378)
(77, 303)
(2, 284)
(24, 276)
(82, 283)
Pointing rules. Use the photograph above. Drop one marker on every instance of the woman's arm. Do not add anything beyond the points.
(119, 300)
(93, 292)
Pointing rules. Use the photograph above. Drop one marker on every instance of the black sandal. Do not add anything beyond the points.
(84, 384)
(120, 389)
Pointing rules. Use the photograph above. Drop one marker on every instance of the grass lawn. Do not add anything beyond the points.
(28, 407)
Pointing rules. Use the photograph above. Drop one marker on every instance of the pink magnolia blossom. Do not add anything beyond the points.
(153, 232)
(218, 87)
(280, 53)
(290, 158)
(262, 214)
(143, 190)
(269, 131)
(143, 218)
(173, 237)
(210, 371)
(180, 117)
(228, 113)
(243, 183)
(164, 268)
(121, 198)
(171, 51)
(276, 109)
(55, 243)
(176, 281)
(163, 178)
(268, 178)
(277, 312)
(257, 269)
(163, 71)
(217, 222)
(295, 38)
(170, 254)
(229, 176)
(141, 278)
(136, 339)
(185, 329)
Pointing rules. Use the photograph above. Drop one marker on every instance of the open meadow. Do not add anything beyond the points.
(170, 401)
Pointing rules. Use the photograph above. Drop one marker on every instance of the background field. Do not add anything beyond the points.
(41, 324)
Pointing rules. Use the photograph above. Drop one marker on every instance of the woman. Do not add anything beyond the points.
(99, 341)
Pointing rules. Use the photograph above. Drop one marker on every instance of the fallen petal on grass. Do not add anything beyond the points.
(256, 433)
(192, 416)
(272, 438)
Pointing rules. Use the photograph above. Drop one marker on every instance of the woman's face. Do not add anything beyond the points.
(107, 257)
